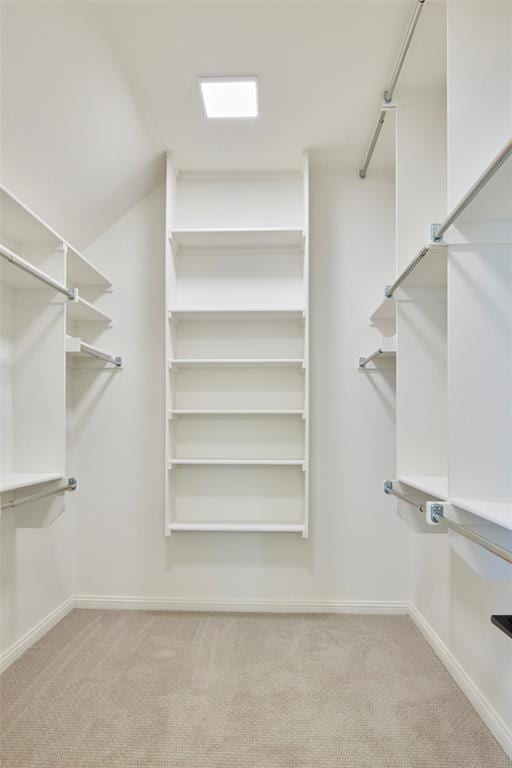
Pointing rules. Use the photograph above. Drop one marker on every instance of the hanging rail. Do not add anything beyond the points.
(438, 230)
(116, 360)
(363, 361)
(71, 486)
(26, 266)
(388, 93)
(437, 516)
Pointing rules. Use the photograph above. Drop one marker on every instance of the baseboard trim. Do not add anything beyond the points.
(498, 727)
(240, 606)
(33, 635)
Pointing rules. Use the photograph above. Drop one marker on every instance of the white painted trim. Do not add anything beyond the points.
(33, 635)
(497, 726)
(242, 606)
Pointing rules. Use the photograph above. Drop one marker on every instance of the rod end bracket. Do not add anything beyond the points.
(388, 486)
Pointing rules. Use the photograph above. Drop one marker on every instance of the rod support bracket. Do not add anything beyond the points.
(434, 510)
(433, 237)
(73, 294)
(73, 483)
(388, 293)
(118, 361)
(388, 486)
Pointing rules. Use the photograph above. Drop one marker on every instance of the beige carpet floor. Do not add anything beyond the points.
(129, 689)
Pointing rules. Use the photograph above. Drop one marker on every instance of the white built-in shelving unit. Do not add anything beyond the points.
(236, 351)
(47, 290)
(450, 309)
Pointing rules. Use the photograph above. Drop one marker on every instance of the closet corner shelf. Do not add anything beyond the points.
(83, 311)
(81, 273)
(177, 412)
(14, 481)
(237, 238)
(497, 512)
(240, 527)
(436, 486)
(384, 317)
(182, 363)
(238, 462)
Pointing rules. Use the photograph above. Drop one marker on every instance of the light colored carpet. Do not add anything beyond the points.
(112, 689)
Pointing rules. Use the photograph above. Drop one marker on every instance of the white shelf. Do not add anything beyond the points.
(236, 413)
(498, 512)
(244, 527)
(83, 311)
(384, 317)
(436, 486)
(180, 363)
(237, 238)
(237, 313)
(237, 462)
(81, 273)
(13, 481)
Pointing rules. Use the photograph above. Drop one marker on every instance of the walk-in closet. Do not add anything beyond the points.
(256, 384)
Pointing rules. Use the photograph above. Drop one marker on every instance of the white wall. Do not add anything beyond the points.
(358, 550)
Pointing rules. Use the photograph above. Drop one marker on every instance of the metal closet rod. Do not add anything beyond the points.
(438, 230)
(26, 266)
(388, 93)
(116, 360)
(438, 517)
(363, 361)
(71, 486)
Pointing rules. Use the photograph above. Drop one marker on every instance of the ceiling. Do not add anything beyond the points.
(93, 93)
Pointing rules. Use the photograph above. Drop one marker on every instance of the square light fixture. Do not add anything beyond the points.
(230, 96)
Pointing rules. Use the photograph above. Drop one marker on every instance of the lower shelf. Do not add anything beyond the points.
(234, 527)
(436, 486)
(238, 462)
(14, 481)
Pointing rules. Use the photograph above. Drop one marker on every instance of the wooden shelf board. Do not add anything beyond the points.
(80, 272)
(13, 481)
(236, 413)
(240, 527)
(237, 238)
(181, 363)
(436, 486)
(237, 462)
(237, 313)
(83, 311)
(498, 512)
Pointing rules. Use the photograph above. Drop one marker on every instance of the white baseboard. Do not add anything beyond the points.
(33, 635)
(498, 727)
(240, 606)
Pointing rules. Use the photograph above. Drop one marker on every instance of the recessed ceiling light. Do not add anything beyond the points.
(230, 96)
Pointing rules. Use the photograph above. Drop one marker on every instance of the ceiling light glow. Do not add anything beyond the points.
(230, 96)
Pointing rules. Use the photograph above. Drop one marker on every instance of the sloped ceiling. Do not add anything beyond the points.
(94, 93)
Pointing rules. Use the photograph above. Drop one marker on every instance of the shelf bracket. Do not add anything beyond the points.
(432, 235)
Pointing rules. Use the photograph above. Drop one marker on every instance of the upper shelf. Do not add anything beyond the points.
(82, 311)
(81, 273)
(253, 362)
(237, 238)
(13, 481)
(21, 228)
